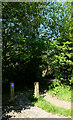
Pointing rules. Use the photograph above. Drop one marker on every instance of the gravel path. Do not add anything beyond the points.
(25, 109)
(33, 112)
(55, 101)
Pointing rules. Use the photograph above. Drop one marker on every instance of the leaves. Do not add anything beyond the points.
(38, 34)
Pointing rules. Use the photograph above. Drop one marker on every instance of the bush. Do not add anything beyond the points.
(61, 91)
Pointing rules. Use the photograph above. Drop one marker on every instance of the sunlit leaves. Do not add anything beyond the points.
(38, 34)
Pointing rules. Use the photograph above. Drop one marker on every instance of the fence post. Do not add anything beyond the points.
(36, 89)
(11, 91)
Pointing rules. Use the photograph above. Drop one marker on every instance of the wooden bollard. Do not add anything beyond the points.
(11, 91)
(36, 89)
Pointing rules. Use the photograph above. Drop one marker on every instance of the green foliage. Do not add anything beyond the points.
(61, 91)
(60, 47)
(34, 39)
(55, 83)
(48, 107)
(22, 47)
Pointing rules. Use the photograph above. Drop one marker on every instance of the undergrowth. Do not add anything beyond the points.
(61, 91)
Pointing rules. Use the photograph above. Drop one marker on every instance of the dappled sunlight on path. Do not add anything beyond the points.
(25, 109)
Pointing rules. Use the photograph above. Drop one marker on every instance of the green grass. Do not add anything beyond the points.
(62, 92)
(48, 107)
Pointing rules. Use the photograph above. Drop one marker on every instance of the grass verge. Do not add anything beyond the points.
(62, 92)
(48, 107)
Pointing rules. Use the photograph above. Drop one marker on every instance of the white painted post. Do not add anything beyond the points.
(11, 91)
(36, 89)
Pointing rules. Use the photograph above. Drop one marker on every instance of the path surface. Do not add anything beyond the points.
(33, 112)
(25, 109)
(57, 102)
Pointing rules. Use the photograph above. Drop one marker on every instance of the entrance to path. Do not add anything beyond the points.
(36, 90)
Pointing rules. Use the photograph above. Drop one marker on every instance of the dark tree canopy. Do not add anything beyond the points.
(36, 36)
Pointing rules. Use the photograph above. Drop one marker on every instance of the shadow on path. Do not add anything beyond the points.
(44, 86)
(21, 102)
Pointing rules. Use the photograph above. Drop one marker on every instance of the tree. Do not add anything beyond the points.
(21, 43)
(59, 54)
(36, 39)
